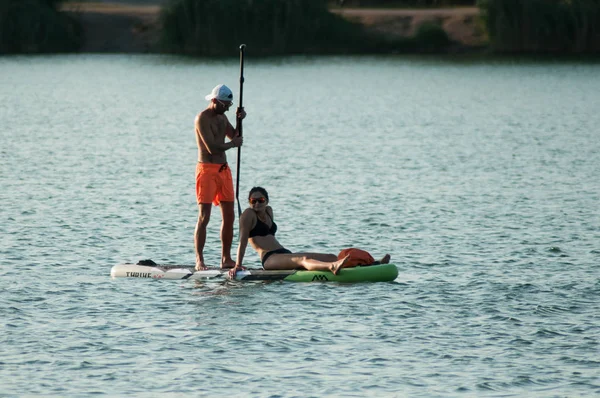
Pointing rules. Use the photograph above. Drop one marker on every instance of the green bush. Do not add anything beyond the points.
(403, 3)
(36, 26)
(431, 37)
(541, 26)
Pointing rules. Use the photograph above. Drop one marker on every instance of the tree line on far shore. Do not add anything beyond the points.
(402, 3)
(281, 27)
(37, 26)
(543, 26)
(278, 27)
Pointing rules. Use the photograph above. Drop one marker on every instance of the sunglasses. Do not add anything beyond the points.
(256, 200)
(225, 104)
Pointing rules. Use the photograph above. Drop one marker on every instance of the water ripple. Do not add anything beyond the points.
(487, 203)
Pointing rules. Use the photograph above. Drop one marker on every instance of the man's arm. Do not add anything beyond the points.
(231, 131)
(213, 146)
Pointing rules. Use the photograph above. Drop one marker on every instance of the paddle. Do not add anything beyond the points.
(239, 129)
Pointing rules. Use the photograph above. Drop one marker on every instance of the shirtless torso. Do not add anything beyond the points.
(211, 130)
(214, 184)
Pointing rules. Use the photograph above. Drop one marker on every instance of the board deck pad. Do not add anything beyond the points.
(371, 273)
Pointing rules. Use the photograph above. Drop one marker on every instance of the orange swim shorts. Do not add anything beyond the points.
(214, 183)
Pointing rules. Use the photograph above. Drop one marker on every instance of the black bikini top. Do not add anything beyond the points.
(261, 229)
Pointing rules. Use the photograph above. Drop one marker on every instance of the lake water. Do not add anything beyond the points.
(481, 178)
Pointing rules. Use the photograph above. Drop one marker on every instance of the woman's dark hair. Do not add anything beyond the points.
(261, 190)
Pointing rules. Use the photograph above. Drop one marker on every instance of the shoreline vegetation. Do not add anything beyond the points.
(290, 27)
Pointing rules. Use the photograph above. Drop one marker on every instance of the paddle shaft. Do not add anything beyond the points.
(239, 128)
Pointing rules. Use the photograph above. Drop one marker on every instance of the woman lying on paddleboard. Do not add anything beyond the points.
(258, 227)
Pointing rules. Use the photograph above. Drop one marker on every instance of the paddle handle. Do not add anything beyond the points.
(239, 121)
(239, 128)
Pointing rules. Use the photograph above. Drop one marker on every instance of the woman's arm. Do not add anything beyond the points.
(246, 221)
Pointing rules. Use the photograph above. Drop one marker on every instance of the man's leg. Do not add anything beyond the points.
(200, 234)
(228, 215)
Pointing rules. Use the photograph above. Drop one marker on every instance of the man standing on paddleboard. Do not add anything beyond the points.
(214, 183)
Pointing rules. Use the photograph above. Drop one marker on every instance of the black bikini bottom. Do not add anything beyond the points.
(276, 251)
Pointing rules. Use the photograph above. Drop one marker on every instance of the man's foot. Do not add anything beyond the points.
(200, 266)
(227, 263)
(335, 266)
(385, 259)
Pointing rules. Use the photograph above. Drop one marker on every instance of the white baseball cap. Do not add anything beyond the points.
(220, 92)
